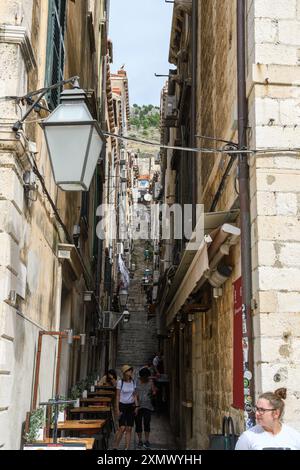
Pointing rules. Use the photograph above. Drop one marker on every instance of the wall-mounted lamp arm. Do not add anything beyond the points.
(42, 92)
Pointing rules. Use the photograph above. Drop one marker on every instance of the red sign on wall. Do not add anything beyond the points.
(238, 382)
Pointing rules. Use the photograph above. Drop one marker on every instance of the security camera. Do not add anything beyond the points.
(126, 316)
(220, 275)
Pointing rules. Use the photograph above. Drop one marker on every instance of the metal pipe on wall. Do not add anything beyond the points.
(194, 107)
(58, 296)
(244, 192)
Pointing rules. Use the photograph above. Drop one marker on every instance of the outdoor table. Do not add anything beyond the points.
(90, 409)
(89, 427)
(86, 426)
(101, 411)
(104, 391)
(98, 399)
(101, 392)
(104, 410)
(88, 441)
(105, 387)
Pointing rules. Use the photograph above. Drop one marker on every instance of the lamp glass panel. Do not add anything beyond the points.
(67, 147)
(123, 295)
(70, 112)
(94, 154)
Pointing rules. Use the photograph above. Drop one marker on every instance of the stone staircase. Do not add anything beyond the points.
(137, 339)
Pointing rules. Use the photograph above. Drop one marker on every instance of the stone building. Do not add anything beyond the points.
(220, 346)
(49, 251)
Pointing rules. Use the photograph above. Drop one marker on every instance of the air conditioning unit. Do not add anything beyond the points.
(157, 189)
(109, 320)
(120, 248)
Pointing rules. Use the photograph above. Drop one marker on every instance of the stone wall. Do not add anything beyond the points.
(274, 101)
(274, 96)
(31, 276)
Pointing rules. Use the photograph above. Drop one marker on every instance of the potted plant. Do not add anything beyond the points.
(36, 426)
(75, 394)
(61, 410)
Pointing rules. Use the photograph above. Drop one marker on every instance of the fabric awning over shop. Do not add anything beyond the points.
(195, 263)
(198, 266)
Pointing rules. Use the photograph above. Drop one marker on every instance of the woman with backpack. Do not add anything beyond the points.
(126, 406)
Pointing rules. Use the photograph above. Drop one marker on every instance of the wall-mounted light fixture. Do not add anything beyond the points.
(87, 295)
(126, 316)
(74, 141)
(123, 296)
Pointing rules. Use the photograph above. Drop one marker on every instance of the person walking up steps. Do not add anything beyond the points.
(145, 388)
(126, 407)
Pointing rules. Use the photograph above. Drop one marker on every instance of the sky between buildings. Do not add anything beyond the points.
(140, 31)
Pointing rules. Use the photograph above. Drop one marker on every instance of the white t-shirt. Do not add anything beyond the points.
(156, 361)
(257, 438)
(126, 391)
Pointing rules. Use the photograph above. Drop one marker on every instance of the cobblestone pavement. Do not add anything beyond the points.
(161, 437)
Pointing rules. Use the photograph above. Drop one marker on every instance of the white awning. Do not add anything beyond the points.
(195, 264)
(196, 270)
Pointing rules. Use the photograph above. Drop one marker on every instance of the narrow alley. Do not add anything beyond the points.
(149, 226)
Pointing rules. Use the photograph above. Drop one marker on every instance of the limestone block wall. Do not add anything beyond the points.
(212, 364)
(274, 114)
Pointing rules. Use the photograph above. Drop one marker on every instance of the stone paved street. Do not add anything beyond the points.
(161, 437)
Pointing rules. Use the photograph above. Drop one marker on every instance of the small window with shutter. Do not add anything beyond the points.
(55, 49)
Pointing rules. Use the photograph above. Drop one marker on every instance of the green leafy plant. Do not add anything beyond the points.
(61, 407)
(36, 421)
(76, 391)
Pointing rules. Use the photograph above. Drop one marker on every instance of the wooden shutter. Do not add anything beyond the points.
(55, 48)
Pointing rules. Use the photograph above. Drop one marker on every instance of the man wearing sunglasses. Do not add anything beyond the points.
(270, 433)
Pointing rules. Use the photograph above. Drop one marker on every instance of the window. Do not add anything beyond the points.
(55, 49)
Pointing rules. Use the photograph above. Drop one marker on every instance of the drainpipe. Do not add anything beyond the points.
(58, 296)
(193, 108)
(244, 194)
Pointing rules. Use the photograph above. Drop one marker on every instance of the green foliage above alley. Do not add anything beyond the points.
(145, 117)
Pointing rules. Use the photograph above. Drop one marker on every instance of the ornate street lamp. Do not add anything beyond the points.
(123, 295)
(74, 141)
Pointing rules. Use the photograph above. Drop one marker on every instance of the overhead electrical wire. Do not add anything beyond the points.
(207, 150)
(224, 150)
